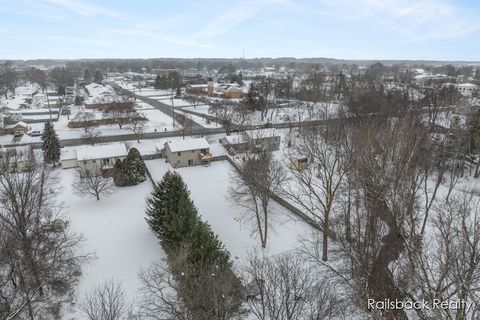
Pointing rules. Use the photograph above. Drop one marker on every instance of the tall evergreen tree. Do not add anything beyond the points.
(130, 171)
(158, 82)
(170, 212)
(98, 77)
(205, 248)
(51, 144)
(135, 166)
(119, 175)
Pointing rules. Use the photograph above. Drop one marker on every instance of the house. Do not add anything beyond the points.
(263, 139)
(39, 100)
(190, 152)
(14, 116)
(18, 158)
(467, 89)
(20, 127)
(236, 143)
(233, 93)
(103, 156)
(266, 138)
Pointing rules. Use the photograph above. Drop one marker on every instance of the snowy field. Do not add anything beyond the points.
(115, 230)
(209, 191)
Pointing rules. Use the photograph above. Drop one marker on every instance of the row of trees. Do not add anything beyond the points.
(60, 77)
(125, 118)
(170, 81)
(199, 269)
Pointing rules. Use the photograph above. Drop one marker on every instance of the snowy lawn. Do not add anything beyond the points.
(209, 191)
(115, 230)
(204, 109)
(200, 120)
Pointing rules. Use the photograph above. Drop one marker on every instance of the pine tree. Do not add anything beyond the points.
(205, 248)
(130, 171)
(51, 144)
(135, 167)
(170, 212)
(158, 82)
(179, 224)
(119, 175)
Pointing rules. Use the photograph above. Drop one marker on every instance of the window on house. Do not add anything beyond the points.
(179, 153)
(106, 161)
(85, 162)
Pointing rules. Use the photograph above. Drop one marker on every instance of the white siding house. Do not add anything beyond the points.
(103, 155)
(190, 152)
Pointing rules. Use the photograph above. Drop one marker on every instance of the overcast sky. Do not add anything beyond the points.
(347, 29)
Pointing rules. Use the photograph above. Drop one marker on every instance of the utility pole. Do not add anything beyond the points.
(173, 107)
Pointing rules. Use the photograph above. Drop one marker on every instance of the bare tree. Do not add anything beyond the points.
(137, 126)
(92, 134)
(231, 117)
(449, 267)
(107, 302)
(39, 260)
(182, 291)
(384, 217)
(8, 78)
(259, 176)
(90, 181)
(317, 187)
(289, 287)
(185, 123)
(120, 113)
(85, 120)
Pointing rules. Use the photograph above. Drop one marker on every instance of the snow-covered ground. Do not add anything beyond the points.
(157, 122)
(200, 120)
(209, 191)
(150, 92)
(298, 113)
(21, 93)
(115, 230)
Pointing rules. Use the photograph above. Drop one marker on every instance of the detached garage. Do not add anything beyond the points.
(68, 158)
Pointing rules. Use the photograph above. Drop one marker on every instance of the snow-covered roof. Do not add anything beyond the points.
(189, 144)
(21, 123)
(262, 133)
(68, 154)
(101, 151)
(236, 139)
(467, 85)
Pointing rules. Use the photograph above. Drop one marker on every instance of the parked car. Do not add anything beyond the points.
(34, 133)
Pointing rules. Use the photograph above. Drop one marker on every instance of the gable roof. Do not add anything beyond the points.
(101, 151)
(21, 123)
(189, 144)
